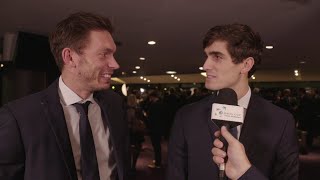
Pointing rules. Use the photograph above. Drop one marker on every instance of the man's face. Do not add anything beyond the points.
(221, 71)
(96, 62)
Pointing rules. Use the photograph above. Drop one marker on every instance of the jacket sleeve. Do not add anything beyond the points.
(253, 174)
(11, 147)
(287, 156)
(177, 152)
(286, 164)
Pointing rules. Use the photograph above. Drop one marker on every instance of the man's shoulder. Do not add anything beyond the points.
(110, 98)
(28, 101)
(266, 105)
(197, 106)
(274, 113)
(201, 102)
(35, 99)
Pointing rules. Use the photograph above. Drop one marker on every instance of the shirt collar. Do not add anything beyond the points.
(244, 101)
(69, 97)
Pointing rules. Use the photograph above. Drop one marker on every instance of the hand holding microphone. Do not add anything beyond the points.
(237, 163)
(227, 114)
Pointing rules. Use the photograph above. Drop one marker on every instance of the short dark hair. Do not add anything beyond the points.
(73, 32)
(242, 42)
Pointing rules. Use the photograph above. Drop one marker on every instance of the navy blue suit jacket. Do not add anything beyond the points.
(35, 141)
(268, 135)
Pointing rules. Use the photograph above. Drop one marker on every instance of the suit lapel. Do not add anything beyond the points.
(212, 127)
(106, 110)
(250, 127)
(56, 119)
(110, 117)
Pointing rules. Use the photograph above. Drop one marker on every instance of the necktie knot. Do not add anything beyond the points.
(83, 106)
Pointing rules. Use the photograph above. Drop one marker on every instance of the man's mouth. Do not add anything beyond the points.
(211, 76)
(106, 75)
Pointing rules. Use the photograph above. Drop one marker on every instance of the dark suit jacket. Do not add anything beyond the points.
(156, 115)
(268, 135)
(35, 141)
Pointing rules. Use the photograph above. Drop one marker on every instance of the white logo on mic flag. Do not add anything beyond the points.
(227, 112)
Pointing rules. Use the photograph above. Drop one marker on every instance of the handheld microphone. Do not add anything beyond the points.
(226, 112)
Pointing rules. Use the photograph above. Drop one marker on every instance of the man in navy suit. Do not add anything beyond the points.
(265, 146)
(43, 135)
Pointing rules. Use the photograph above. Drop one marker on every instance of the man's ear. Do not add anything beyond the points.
(68, 57)
(247, 65)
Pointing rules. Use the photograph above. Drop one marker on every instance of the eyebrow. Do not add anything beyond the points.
(108, 50)
(216, 53)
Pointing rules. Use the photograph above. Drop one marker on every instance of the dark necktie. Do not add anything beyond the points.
(234, 132)
(88, 161)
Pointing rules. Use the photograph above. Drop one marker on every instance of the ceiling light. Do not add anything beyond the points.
(142, 58)
(144, 79)
(124, 89)
(151, 42)
(302, 62)
(204, 74)
(269, 47)
(178, 79)
(296, 71)
(175, 77)
(172, 75)
(134, 72)
(171, 72)
(123, 73)
(201, 68)
(148, 80)
(141, 77)
(137, 67)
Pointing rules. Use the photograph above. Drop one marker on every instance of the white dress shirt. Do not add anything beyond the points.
(244, 102)
(100, 134)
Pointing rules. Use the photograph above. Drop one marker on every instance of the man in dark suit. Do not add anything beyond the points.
(75, 129)
(156, 117)
(265, 146)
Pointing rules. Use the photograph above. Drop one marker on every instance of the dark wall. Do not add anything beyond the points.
(18, 83)
(33, 68)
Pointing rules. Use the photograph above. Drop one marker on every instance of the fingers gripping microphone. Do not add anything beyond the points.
(226, 112)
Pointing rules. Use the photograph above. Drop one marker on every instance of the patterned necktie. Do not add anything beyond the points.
(88, 161)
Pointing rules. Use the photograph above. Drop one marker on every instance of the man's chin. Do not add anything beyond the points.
(103, 87)
(211, 87)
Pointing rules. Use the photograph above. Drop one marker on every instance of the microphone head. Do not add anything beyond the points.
(227, 96)
(225, 109)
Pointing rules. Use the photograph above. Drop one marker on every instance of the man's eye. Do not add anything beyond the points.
(105, 54)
